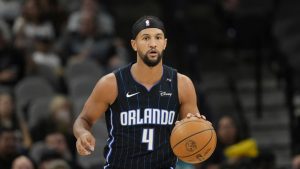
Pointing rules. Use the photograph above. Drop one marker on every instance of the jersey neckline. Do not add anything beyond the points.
(140, 84)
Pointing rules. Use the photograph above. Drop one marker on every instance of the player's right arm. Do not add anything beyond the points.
(103, 95)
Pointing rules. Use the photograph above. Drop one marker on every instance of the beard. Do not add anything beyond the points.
(146, 58)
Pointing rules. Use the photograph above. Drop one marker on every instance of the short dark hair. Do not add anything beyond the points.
(49, 154)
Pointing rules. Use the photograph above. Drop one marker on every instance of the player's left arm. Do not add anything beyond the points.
(187, 97)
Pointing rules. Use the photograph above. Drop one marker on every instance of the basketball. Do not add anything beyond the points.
(193, 140)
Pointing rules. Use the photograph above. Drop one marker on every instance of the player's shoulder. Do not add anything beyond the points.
(183, 79)
(184, 82)
(107, 81)
(107, 86)
(185, 87)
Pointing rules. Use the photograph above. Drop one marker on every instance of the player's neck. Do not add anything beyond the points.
(148, 76)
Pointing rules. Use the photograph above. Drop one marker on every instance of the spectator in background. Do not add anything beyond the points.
(89, 43)
(232, 151)
(46, 157)
(53, 147)
(228, 134)
(57, 141)
(61, 112)
(79, 44)
(12, 63)
(103, 19)
(44, 55)
(60, 120)
(53, 12)
(5, 29)
(8, 117)
(31, 25)
(57, 164)
(70, 5)
(22, 162)
(295, 163)
(8, 147)
(9, 10)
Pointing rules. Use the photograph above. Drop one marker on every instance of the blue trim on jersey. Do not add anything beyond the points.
(112, 140)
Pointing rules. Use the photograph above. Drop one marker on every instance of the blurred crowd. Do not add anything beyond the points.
(44, 32)
(52, 52)
(43, 45)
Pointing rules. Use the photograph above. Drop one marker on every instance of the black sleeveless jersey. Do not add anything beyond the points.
(140, 122)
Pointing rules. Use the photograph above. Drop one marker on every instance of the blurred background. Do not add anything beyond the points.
(242, 55)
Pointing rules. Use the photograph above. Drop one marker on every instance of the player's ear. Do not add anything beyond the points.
(166, 40)
(133, 44)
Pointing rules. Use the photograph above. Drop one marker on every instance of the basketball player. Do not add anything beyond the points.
(142, 102)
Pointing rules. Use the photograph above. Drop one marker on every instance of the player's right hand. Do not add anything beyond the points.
(85, 144)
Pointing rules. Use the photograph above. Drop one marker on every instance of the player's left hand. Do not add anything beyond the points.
(189, 115)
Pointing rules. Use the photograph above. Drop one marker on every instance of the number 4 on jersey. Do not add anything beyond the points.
(148, 138)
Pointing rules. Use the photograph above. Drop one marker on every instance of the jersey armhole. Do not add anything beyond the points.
(178, 95)
(117, 89)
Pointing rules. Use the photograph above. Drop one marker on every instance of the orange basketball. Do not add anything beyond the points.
(193, 140)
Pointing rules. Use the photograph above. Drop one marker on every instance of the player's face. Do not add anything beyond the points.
(149, 45)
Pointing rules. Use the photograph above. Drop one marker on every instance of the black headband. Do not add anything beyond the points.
(147, 22)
